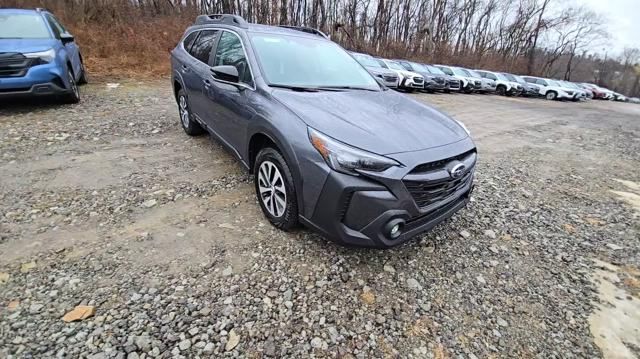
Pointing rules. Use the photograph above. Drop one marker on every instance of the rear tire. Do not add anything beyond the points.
(189, 125)
(275, 189)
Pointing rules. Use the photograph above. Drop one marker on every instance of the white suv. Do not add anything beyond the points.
(468, 84)
(408, 80)
(551, 89)
(504, 86)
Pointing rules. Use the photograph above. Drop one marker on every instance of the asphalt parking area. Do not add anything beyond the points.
(109, 204)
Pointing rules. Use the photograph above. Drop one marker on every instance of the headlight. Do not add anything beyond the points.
(46, 56)
(346, 159)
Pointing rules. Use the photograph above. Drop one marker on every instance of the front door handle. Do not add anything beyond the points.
(185, 68)
(207, 83)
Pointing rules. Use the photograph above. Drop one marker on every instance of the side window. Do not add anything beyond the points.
(203, 45)
(55, 26)
(188, 41)
(447, 71)
(406, 65)
(231, 53)
(492, 77)
(542, 82)
(382, 63)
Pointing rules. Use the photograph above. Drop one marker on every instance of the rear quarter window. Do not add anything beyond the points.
(202, 46)
(188, 41)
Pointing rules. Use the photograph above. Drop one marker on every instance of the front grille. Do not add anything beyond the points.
(390, 78)
(439, 80)
(477, 84)
(454, 84)
(431, 182)
(418, 80)
(15, 64)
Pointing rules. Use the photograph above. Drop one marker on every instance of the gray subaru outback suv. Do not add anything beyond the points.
(328, 146)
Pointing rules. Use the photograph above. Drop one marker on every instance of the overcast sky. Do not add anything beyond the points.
(623, 23)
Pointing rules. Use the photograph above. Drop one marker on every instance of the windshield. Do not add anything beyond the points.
(418, 67)
(460, 72)
(394, 65)
(519, 79)
(510, 77)
(23, 26)
(434, 70)
(473, 73)
(308, 62)
(500, 76)
(366, 60)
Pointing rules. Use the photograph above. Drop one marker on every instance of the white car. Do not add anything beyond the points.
(468, 84)
(504, 86)
(581, 94)
(408, 80)
(550, 89)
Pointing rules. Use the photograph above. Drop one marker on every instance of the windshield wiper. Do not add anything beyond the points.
(347, 88)
(304, 89)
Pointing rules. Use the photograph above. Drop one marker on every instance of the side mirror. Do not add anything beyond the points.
(225, 73)
(66, 38)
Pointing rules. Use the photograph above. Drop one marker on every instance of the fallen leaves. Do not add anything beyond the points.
(569, 228)
(368, 297)
(13, 305)
(25, 267)
(4, 277)
(233, 341)
(80, 312)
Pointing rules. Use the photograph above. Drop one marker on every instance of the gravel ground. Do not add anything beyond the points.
(108, 204)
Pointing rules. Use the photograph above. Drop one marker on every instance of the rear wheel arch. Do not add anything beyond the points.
(177, 86)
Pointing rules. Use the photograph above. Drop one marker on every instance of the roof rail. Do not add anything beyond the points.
(42, 9)
(308, 30)
(226, 19)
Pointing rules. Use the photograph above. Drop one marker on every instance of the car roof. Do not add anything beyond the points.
(20, 11)
(259, 28)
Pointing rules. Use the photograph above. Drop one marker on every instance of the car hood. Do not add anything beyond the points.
(380, 71)
(382, 122)
(26, 45)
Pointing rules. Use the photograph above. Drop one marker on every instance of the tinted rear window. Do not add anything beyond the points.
(203, 45)
(23, 26)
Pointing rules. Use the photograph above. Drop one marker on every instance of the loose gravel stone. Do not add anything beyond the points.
(201, 273)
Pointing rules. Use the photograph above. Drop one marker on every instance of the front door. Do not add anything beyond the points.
(231, 100)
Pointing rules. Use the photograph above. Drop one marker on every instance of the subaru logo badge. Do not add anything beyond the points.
(458, 170)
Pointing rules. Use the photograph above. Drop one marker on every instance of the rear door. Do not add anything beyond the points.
(196, 73)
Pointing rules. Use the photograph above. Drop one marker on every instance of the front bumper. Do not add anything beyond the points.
(40, 80)
(434, 86)
(357, 211)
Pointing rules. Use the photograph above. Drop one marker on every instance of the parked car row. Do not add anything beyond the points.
(412, 76)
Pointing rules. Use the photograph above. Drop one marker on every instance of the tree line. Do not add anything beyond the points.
(537, 37)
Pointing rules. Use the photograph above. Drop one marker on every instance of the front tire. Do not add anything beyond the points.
(275, 189)
(190, 127)
(82, 80)
(74, 93)
(551, 95)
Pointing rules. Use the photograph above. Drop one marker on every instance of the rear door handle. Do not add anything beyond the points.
(207, 83)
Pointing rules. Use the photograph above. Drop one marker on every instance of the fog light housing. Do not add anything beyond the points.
(394, 228)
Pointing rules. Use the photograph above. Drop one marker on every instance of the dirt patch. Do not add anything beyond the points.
(615, 325)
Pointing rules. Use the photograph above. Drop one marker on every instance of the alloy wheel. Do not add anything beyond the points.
(74, 86)
(271, 188)
(184, 111)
